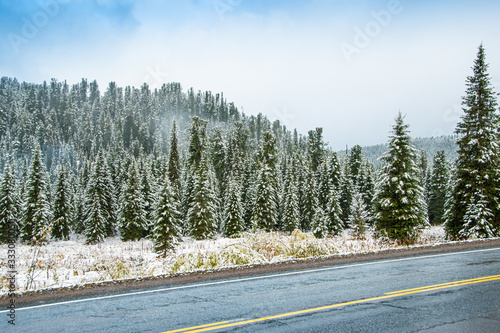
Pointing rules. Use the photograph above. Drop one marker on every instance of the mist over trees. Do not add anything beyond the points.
(164, 163)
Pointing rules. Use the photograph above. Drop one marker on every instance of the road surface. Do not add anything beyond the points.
(452, 292)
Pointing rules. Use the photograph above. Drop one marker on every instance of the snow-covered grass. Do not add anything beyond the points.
(70, 263)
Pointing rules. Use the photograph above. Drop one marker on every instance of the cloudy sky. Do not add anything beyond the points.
(345, 65)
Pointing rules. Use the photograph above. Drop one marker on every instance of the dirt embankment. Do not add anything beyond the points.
(117, 286)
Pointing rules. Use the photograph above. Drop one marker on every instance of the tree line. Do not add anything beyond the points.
(162, 164)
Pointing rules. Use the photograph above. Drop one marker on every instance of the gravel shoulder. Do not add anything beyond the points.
(120, 286)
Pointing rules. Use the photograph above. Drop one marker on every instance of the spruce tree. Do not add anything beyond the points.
(9, 206)
(173, 161)
(133, 224)
(234, 222)
(265, 208)
(319, 226)
(334, 211)
(61, 216)
(202, 213)
(291, 213)
(359, 216)
(399, 199)
(438, 187)
(475, 204)
(36, 217)
(309, 199)
(98, 203)
(166, 229)
(346, 191)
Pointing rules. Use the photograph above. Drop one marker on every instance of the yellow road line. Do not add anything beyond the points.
(216, 326)
(441, 284)
(188, 329)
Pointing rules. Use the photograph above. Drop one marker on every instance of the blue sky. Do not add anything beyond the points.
(347, 66)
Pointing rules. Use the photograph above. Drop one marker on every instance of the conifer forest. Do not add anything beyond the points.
(102, 161)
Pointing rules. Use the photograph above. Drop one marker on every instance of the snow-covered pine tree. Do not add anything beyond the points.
(309, 199)
(265, 209)
(315, 148)
(346, 190)
(133, 224)
(61, 216)
(438, 186)
(319, 226)
(399, 199)
(359, 216)
(367, 187)
(218, 158)
(355, 165)
(334, 211)
(99, 212)
(234, 222)
(202, 213)
(9, 205)
(148, 190)
(166, 230)
(475, 204)
(174, 166)
(36, 212)
(291, 213)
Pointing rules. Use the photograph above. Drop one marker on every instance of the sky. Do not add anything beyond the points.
(345, 65)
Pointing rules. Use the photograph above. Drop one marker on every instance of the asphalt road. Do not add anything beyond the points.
(452, 292)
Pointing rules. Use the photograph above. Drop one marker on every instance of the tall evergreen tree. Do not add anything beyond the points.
(99, 205)
(320, 223)
(174, 162)
(9, 206)
(61, 216)
(234, 222)
(291, 214)
(399, 199)
(359, 216)
(476, 204)
(334, 211)
(265, 209)
(202, 213)
(166, 229)
(346, 192)
(133, 224)
(315, 148)
(438, 187)
(36, 207)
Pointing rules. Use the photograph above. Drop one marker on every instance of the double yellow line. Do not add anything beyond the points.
(226, 324)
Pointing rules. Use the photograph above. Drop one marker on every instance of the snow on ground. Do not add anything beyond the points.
(70, 263)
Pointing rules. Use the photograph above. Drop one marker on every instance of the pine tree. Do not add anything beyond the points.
(62, 207)
(309, 200)
(173, 162)
(99, 210)
(334, 211)
(355, 164)
(359, 216)
(166, 229)
(291, 214)
(475, 204)
(9, 206)
(202, 213)
(133, 224)
(320, 222)
(265, 209)
(234, 222)
(346, 190)
(36, 207)
(438, 187)
(148, 196)
(399, 200)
